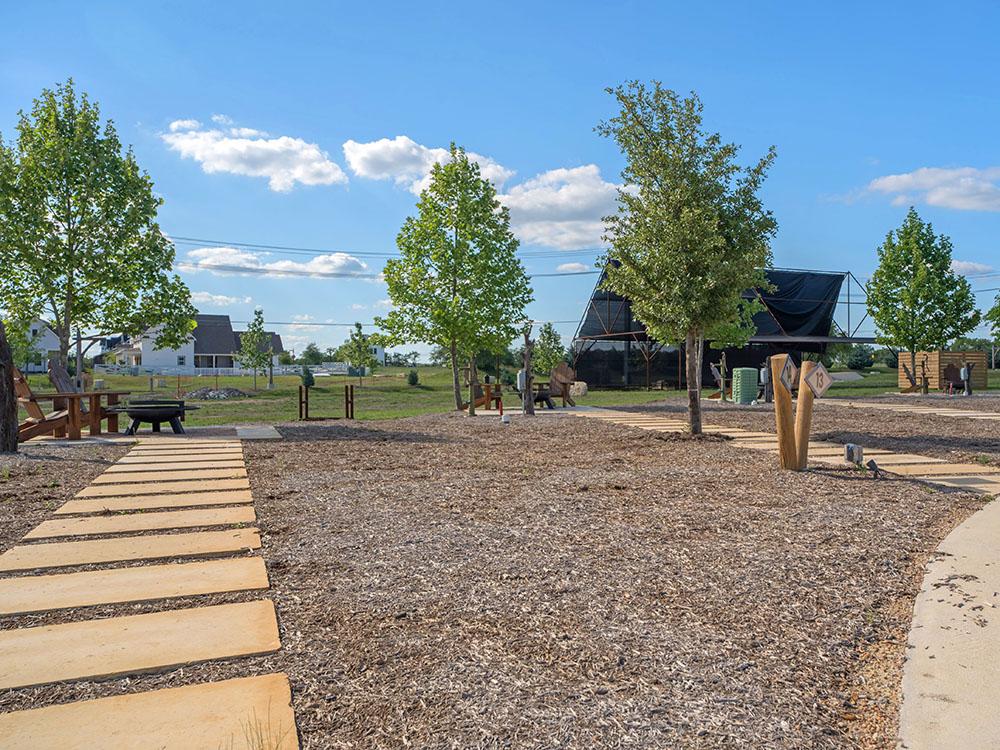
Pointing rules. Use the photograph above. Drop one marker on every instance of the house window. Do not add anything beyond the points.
(223, 361)
(202, 361)
(181, 360)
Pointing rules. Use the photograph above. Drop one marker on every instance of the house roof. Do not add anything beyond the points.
(215, 335)
(275, 341)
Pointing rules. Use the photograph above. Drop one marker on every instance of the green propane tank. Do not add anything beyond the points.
(744, 385)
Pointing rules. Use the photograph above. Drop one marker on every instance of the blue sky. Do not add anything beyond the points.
(327, 115)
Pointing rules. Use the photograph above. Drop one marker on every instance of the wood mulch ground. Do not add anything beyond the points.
(445, 582)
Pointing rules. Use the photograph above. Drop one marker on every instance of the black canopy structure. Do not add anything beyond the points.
(612, 349)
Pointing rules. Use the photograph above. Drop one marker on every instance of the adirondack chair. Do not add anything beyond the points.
(558, 384)
(38, 422)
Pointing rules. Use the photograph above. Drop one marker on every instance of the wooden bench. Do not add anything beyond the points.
(68, 417)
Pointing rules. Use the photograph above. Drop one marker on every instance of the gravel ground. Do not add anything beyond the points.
(442, 582)
(952, 438)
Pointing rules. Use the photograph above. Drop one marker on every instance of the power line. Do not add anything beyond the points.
(265, 271)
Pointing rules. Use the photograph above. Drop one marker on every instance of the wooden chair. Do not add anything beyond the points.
(558, 385)
(38, 422)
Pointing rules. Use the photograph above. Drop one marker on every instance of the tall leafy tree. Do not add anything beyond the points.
(358, 351)
(992, 317)
(549, 350)
(458, 283)
(916, 301)
(255, 346)
(79, 242)
(691, 234)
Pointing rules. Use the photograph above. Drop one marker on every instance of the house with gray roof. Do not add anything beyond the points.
(211, 348)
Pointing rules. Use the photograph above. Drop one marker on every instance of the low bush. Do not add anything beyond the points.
(412, 378)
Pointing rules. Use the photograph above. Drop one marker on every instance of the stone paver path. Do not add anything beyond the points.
(161, 485)
(934, 470)
(904, 408)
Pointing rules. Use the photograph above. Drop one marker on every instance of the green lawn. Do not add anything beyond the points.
(387, 395)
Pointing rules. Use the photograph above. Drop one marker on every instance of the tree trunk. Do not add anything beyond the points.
(473, 382)
(456, 385)
(8, 399)
(529, 379)
(692, 349)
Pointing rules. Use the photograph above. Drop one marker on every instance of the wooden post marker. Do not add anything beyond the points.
(783, 418)
(803, 415)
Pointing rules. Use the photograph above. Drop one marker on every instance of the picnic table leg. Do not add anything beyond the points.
(113, 417)
(95, 415)
(175, 423)
(133, 428)
(74, 419)
(156, 426)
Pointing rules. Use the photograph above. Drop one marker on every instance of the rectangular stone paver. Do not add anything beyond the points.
(41, 593)
(186, 443)
(128, 549)
(153, 502)
(902, 459)
(188, 459)
(161, 488)
(133, 468)
(986, 484)
(169, 476)
(136, 643)
(207, 716)
(927, 470)
(175, 519)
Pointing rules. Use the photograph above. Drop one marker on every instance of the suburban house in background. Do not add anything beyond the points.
(45, 344)
(211, 348)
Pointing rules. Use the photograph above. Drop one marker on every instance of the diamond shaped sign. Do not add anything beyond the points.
(818, 380)
(789, 373)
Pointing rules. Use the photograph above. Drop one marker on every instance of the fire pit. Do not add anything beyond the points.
(156, 412)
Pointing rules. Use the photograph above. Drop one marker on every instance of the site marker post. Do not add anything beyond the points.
(780, 376)
(803, 415)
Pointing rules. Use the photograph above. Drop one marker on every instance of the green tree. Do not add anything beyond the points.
(23, 346)
(311, 355)
(458, 283)
(285, 358)
(992, 318)
(549, 350)
(79, 240)
(255, 346)
(358, 351)
(916, 301)
(690, 235)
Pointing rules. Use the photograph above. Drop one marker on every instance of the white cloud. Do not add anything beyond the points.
(562, 208)
(356, 306)
(303, 323)
(283, 160)
(385, 304)
(962, 188)
(218, 300)
(408, 163)
(184, 125)
(969, 267)
(226, 261)
(573, 267)
(222, 119)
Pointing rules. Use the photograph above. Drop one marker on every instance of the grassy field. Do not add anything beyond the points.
(387, 395)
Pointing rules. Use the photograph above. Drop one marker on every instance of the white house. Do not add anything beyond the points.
(379, 352)
(211, 347)
(45, 343)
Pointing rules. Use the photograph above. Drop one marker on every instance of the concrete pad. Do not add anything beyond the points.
(208, 716)
(136, 643)
(929, 470)
(185, 443)
(42, 593)
(175, 519)
(154, 502)
(162, 488)
(985, 484)
(128, 549)
(258, 432)
(132, 468)
(951, 677)
(193, 458)
(169, 476)
(773, 447)
(903, 459)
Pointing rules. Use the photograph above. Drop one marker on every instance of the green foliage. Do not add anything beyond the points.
(307, 376)
(970, 344)
(358, 350)
(860, 357)
(917, 302)
(690, 235)
(255, 346)
(549, 350)
(78, 234)
(993, 318)
(458, 283)
(888, 357)
(23, 346)
(412, 378)
(311, 355)
(285, 358)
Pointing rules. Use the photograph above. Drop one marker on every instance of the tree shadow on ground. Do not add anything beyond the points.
(915, 443)
(348, 432)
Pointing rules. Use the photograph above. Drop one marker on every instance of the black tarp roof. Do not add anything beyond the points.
(800, 306)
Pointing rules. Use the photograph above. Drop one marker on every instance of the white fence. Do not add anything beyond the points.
(326, 368)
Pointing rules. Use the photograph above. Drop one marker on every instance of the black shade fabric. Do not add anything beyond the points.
(611, 348)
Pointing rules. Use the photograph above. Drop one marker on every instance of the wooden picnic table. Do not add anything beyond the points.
(73, 403)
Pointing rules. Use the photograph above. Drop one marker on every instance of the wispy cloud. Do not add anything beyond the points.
(970, 267)
(218, 300)
(229, 261)
(283, 160)
(961, 188)
(573, 267)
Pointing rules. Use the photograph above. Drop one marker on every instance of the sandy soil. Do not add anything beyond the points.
(444, 582)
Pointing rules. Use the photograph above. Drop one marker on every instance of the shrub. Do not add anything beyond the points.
(412, 378)
(307, 376)
(860, 358)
